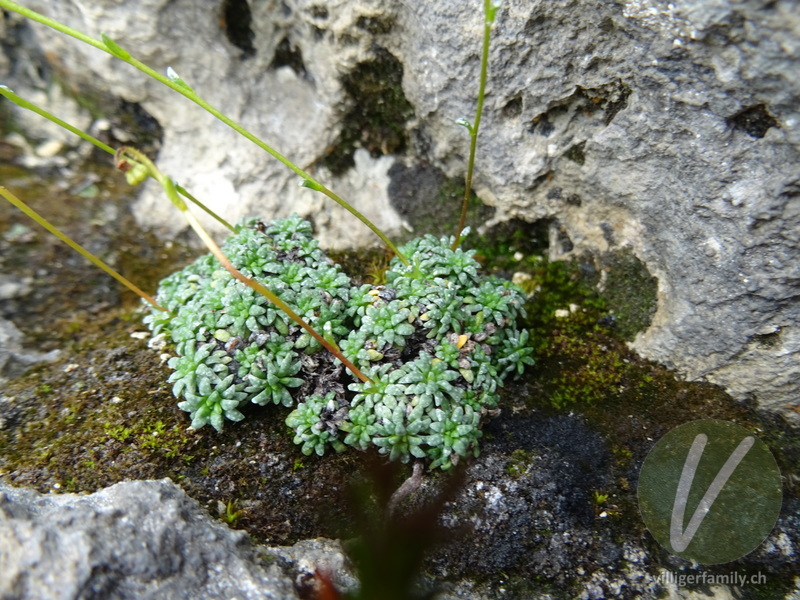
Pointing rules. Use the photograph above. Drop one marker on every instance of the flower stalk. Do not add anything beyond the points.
(490, 9)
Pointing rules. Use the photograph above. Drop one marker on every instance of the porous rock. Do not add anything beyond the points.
(667, 129)
(14, 358)
(136, 540)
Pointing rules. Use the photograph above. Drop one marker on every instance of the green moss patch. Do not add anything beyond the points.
(630, 292)
(377, 112)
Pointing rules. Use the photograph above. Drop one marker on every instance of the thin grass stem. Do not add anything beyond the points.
(490, 8)
(77, 247)
(264, 291)
(21, 102)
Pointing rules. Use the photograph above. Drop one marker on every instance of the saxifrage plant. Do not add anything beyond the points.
(411, 367)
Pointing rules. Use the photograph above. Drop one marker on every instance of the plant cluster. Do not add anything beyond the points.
(435, 342)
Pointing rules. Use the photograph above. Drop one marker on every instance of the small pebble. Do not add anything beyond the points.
(519, 278)
(48, 149)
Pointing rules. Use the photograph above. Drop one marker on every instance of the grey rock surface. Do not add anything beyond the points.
(137, 540)
(306, 559)
(14, 358)
(669, 129)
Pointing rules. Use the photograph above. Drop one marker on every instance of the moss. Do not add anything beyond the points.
(557, 286)
(112, 417)
(368, 265)
(576, 153)
(630, 292)
(588, 371)
(377, 114)
(518, 462)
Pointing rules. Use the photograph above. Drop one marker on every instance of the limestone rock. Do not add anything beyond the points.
(14, 358)
(139, 539)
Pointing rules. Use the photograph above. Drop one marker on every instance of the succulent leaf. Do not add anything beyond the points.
(437, 342)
